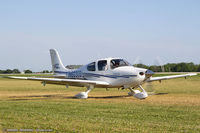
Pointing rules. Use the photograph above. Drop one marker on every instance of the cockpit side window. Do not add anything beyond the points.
(91, 66)
(102, 65)
(118, 63)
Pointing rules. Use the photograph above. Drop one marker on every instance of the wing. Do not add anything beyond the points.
(70, 82)
(170, 77)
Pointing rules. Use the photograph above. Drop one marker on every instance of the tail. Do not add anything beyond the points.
(57, 65)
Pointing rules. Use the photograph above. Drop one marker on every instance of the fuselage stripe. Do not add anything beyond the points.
(95, 75)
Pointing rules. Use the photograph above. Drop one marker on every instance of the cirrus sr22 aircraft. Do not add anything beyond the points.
(103, 73)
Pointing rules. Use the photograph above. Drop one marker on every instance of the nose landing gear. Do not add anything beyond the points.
(138, 94)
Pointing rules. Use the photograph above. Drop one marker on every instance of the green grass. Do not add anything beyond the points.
(29, 105)
(69, 116)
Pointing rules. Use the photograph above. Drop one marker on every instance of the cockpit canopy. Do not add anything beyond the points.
(114, 63)
(105, 64)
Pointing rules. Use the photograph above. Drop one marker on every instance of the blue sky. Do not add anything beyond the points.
(85, 30)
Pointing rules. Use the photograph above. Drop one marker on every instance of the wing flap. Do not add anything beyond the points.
(70, 82)
(170, 77)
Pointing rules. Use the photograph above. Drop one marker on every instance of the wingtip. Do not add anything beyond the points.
(192, 74)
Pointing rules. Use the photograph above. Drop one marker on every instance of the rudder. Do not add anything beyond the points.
(57, 65)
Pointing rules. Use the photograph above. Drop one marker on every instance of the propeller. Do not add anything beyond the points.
(148, 85)
(149, 88)
(160, 63)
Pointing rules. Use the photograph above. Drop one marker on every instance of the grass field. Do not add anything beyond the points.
(175, 107)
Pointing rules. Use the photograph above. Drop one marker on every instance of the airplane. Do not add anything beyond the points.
(102, 73)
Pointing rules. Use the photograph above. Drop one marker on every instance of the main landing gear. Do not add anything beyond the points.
(84, 95)
(138, 94)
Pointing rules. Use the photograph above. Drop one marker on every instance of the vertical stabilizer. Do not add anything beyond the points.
(57, 65)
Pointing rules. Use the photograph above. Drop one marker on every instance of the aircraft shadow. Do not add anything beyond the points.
(44, 97)
(161, 93)
(107, 97)
(158, 94)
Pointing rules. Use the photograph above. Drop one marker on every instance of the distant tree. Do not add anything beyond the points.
(167, 68)
(192, 67)
(16, 71)
(170, 67)
(45, 71)
(177, 68)
(28, 71)
(155, 68)
(198, 69)
(185, 67)
(8, 71)
(1, 71)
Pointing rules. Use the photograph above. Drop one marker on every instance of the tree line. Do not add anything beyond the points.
(170, 67)
(17, 71)
(173, 67)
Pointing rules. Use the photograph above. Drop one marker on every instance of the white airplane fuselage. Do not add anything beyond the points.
(122, 76)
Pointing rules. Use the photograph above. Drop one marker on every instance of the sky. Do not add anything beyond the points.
(140, 31)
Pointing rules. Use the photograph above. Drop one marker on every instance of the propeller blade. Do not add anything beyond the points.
(149, 88)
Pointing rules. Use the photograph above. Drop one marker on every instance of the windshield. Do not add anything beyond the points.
(118, 63)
